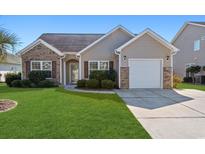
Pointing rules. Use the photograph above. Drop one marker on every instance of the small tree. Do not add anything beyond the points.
(193, 70)
(8, 42)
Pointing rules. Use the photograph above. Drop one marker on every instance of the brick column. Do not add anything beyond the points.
(167, 79)
(124, 77)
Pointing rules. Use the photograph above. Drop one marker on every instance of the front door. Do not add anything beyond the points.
(73, 72)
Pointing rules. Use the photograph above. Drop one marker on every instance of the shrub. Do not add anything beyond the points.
(103, 75)
(187, 79)
(16, 83)
(11, 77)
(37, 76)
(47, 84)
(26, 83)
(112, 75)
(107, 84)
(176, 80)
(98, 75)
(81, 83)
(92, 83)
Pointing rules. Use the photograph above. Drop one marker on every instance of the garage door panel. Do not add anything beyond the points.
(145, 73)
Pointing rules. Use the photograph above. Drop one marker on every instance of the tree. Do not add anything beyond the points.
(193, 70)
(8, 42)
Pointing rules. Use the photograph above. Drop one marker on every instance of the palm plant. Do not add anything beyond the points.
(8, 42)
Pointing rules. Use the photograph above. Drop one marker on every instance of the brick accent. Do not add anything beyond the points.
(167, 77)
(124, 77)
(41, 52)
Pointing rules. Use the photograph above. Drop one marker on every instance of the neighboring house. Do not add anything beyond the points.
(141, 61)
(10, 64)
(190, 40)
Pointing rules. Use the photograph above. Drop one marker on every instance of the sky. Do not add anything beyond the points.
(29, 28)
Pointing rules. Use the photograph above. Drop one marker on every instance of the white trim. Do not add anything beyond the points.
(162, 67)
(41, 65)
(104, 36)
(37, 42)
(119, 78)
(154, 36)
(64, 72)
(182, 29)
(98, 62)
(70, 53)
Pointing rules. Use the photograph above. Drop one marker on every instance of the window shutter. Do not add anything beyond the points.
(85, 69)
(54, 69)
(110, 65)
(28, 68)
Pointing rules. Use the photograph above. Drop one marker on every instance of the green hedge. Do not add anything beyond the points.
(107, 84)
(92, 83)
(11, 77)
(103, 75)
(81, 83)
(37, 76)
(47, 84)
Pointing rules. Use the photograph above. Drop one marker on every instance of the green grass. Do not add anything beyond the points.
(190, 86)
(57, 113)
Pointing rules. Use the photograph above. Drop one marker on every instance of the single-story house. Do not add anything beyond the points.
(9, 64)
(141, 61)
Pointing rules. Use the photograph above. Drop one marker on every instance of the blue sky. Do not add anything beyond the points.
(28, 28)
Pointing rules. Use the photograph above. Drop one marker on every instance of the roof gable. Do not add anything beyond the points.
(153, 35)
(106, 35)
(200, 24)
(37, 42)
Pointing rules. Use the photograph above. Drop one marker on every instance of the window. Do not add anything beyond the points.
(196, 45)
(35, 65)
(42, 66)
(104, 65)
(98, 65)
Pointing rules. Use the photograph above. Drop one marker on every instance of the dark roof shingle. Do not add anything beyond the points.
(66, 42)
(201, 23)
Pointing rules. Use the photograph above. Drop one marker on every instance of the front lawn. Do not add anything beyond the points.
(57, 113)
(190, 86)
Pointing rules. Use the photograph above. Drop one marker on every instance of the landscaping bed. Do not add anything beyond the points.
(6, 105)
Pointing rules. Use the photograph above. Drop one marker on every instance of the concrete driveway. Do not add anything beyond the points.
(168, 113)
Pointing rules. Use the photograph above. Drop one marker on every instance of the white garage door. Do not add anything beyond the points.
(145, 73)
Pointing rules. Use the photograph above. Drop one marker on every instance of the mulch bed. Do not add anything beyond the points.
(6, 104)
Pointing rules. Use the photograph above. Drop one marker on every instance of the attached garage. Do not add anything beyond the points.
(146, 61)
(145, 73)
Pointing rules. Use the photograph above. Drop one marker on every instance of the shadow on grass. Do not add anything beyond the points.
(112, 97)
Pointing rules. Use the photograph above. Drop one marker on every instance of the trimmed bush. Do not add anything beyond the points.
(92, 83)
(16, 83)
(188, 80)
(37, 76)
(98, 75)
(107, 84)
(103, 75)
(47, 84)
(81, 83)
(11, 77)
(26, 83)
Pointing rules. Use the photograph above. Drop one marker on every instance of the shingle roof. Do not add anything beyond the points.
(68, 42)
(201, 23)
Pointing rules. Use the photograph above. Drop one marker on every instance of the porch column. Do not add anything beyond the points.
(64, 72)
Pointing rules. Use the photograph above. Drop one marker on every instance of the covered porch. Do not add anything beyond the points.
(70, 69)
